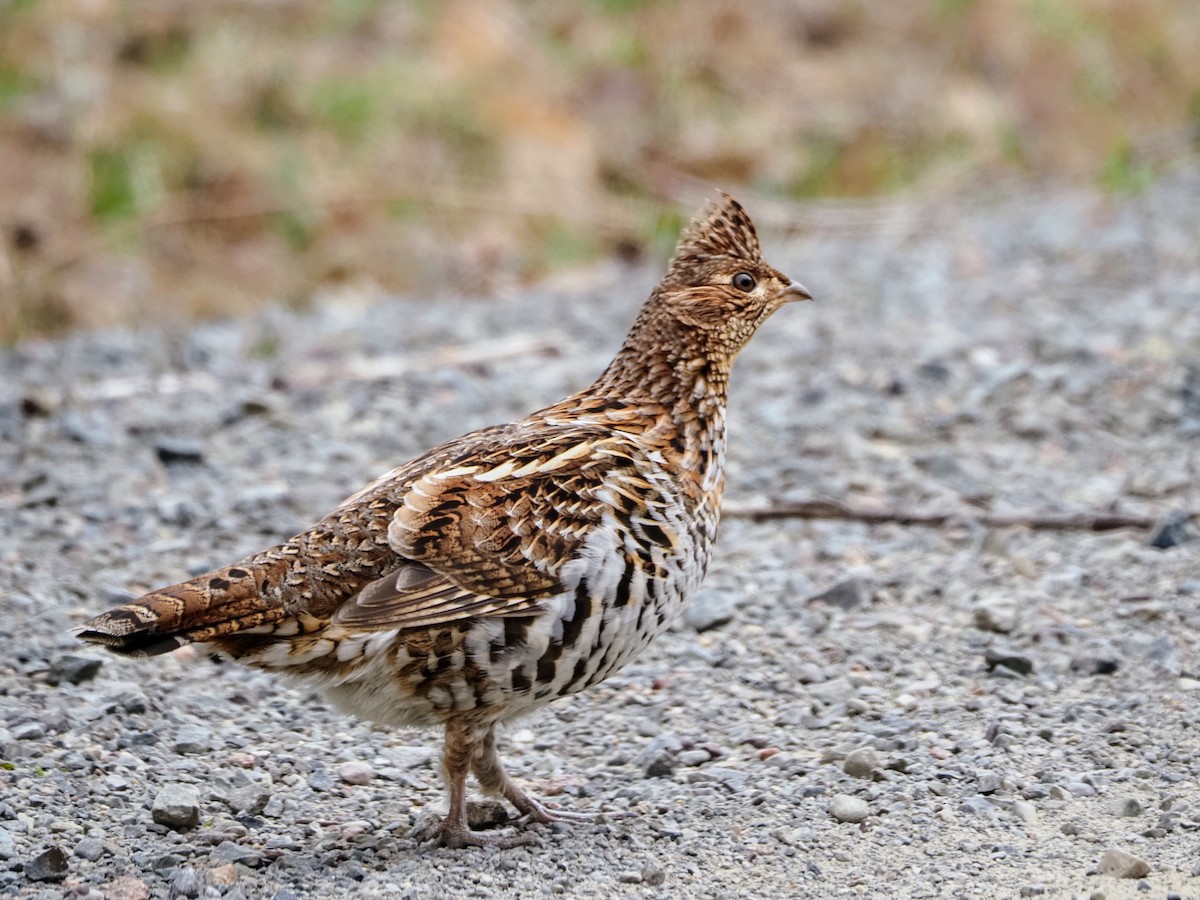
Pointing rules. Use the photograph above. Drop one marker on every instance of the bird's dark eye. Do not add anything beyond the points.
(744, 282)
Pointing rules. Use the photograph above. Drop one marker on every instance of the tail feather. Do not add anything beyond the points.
(223, 602)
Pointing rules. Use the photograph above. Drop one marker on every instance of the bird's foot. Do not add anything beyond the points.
(457, 835)
(535, 811)
(475, 827)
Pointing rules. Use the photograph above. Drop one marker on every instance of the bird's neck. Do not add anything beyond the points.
(672, 393)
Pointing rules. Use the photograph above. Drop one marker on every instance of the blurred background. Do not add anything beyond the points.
(162, 160)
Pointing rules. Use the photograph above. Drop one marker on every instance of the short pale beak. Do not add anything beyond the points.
(796, 291)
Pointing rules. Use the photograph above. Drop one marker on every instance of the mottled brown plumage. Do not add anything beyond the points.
(516, 564)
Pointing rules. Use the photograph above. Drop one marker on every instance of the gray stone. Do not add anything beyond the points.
(1007, 658)
(1121, 864)
(74, 669)
(978, 806)
(653, 874)
(186, 883)
(49, 865)
(177, 806)
(89, 849)
(86, 428)
(176, 450)
(994, 616)
(8, 847)
(193, 739)
(693, 757)
(710, 609)
(1126, 807)
(409, 757)
(28, 731)
(241, 793)
(861, 763)
(320, 780)
(1025, 811)
(356, 772)
(987, 783)
(659, 758)
(836, 690)
(1094, 664)
(846, 808)
(848, 594)
(1172, 530)
(228, 852)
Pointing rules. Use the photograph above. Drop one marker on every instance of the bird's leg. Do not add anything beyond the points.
(489, 771)
(462, 744)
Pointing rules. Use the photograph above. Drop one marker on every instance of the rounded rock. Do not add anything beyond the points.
(356, 772)
(1121, 864)
(89, 849)
(861, 763)
(846, 808)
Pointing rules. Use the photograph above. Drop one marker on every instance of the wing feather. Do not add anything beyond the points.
(489, 535)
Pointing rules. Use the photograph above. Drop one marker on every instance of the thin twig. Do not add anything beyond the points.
(833, 509)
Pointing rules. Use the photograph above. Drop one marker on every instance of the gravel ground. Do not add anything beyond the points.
(846, 710)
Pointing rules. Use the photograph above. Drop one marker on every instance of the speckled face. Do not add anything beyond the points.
(718, 281)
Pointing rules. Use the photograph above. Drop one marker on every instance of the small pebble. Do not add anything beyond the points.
(710, 608)
(356, 772)
(693, 757)
(193, 739)
(1121, 864)
(174, 450)
(223, 875)
(28, 731)
(999, 618)
(861, 763)
(187, 883)
(49, 865)
(1126, 807)
(320, 780)
(228, 852)
(1013, 660)
(847, 595)
(1025, 811)
(177, 806)
(89, 849)
(74, 669)
(1088, 664)
(127, 887)
(846, 808)
(1172, 530)
(653, 874)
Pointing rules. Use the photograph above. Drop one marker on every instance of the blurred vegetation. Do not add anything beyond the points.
(162, 158)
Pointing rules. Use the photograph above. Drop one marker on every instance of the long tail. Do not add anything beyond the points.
(238, 598)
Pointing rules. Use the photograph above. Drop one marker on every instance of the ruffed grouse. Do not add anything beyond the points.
(513, 565)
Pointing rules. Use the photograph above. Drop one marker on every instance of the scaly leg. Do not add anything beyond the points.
(462, 746)
(489, 770)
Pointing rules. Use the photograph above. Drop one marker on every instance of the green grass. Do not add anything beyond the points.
(349, 107)
(1124, 174)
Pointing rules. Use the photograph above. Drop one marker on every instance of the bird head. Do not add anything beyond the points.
(718, 285)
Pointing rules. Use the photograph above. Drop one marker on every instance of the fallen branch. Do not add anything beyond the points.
(833, 509)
